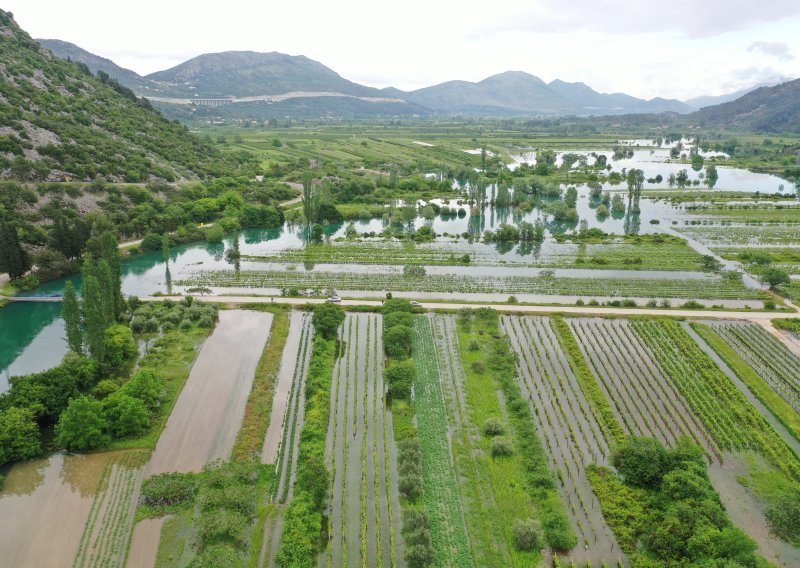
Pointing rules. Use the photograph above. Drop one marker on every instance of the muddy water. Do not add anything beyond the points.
(144, 545)
(203, 425)
(43, 508)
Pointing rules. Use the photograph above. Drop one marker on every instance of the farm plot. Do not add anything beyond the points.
(644, 400)
(771, 359)
(728, 416)
(707, 288)
(571, 434)
(287, 423)
(440, 482)
(364, 504)
(204, 423)
(105, 535)
(740, 235)
(492, 490)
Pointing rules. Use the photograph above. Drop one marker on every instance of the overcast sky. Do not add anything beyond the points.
(676, 49)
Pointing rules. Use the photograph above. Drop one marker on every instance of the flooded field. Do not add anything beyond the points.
(204, 423)
(46, 506)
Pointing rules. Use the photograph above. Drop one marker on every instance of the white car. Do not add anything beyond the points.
(415, 304)
(334, 300)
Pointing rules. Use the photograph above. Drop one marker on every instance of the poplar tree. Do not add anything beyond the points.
(110, 247)
(71, 312)
(93, 317)
(13, 258)
(106, 282)
(165, 247)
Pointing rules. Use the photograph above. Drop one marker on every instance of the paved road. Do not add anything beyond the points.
(746, 316)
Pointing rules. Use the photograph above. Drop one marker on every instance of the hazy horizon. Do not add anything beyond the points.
(678, 51)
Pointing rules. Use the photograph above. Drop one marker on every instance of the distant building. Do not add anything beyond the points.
(211, 102)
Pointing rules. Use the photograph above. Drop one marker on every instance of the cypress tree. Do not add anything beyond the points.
(70, 311)
(165, 247)
(13, 258)
(110, 246)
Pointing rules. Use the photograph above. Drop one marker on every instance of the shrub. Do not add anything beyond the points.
(410, 486)
(145, 386)
(223, 524)
(493, 427)
(19, 434)
(501, 447)
(397, 341)
(151, 242)
(641, 461)
(167, 489)
(119, 348)
(327, 319)
(527, 534)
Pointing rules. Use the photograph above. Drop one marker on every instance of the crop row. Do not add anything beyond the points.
(739, 235)
(361, 495)
(571, 433)
(732, 421)
(645, 402)
(104, 541)
(700, 288)
(771, 359)
(440, 483)
(286, 466)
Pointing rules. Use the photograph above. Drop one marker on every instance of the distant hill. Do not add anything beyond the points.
(519, 93)
(95, 63)
(58, 121)
(706, 101)
(766, 109)
(248, 73)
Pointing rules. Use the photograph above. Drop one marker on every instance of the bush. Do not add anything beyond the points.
(219, 555)
(493, 427)
(501, 447)
(641, 461)
(82, 426)
(398, 318)
(527, 534)
(397, 341)
(151, 242)
(145, 386)
(119, 348)
(223, 524)
(167, 489)
(410, 486)
(400, 376)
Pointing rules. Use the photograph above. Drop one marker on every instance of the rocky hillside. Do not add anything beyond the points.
(59, 122)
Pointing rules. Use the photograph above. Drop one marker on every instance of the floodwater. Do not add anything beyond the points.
(44, 506)
(203, 425)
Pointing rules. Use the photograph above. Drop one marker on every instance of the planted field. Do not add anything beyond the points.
(644, 400)
(699, 288)
(771, 359)
(107, 530)
(440, 482)
(570, 431)
(492, 489)
(741, 235)
(364, 506)
(204, 423)
(729, 417)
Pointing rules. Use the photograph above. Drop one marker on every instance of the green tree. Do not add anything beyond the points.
(13, 258)
(110, 247)
(82, 426)
(400, 376)
(19, 434)
(165, 247)
(712, 176)
(119, 348)
(774, 277)
(71, 312)
(127, 416)
(147, 387)
(642, 462)
(93, 316)
(105, 281)
(397, 341)
(327, 319)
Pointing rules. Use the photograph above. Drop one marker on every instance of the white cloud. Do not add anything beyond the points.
(775, 49)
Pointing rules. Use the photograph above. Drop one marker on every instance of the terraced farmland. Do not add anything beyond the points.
(771, 359)
(569, 429)
(364, 505)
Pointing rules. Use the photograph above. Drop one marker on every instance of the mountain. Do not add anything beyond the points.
(248, 73)
(706, 101)
(519, 93)
(766, 109)
(95, 63)
(58, 121)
